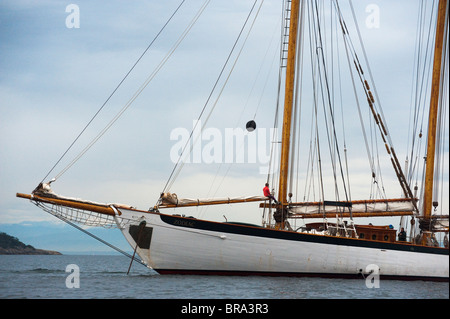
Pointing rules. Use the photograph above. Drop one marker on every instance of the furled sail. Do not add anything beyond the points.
(363, 206)
(168, 200)
(357, 208)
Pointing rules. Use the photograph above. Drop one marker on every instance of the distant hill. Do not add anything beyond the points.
(10, 245)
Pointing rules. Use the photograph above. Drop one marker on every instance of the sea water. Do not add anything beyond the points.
(105, 277)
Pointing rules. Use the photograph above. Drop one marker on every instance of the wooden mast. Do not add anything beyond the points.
(434, 101)
(288, 101)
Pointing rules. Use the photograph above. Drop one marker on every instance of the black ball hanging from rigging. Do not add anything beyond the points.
(250, 126)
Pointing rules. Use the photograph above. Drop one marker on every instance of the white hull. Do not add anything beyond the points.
(183, 245)
(171, 244)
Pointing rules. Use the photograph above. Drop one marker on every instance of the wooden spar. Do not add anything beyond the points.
(217, 202)
(354, 202)
(288, 101)
(107, 210)
(434, 102)
(347, 213)
(97, 208)
(353, 214)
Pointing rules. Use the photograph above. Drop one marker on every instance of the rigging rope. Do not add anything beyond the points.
(272, 179)
(333, 125)
(176, 169)
(323, 93)
(295, 149)
(240, 116)
(139, 91)
(314, 141)
(132, 257)
(372, 98)
(422, 72)
(109, 97)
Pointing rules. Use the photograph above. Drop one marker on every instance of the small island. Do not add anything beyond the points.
(10, 245)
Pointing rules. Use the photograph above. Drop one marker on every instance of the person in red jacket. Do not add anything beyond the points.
(267, 193)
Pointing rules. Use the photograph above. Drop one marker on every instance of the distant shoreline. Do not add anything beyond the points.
(27, 251)
(10, 245)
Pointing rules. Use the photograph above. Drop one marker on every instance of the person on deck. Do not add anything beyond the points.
(267, 193)
(402, 235)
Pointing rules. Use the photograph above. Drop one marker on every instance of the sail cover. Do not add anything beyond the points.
(374, 206)
(172, 200)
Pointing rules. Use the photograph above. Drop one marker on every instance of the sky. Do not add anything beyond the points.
(58, 66)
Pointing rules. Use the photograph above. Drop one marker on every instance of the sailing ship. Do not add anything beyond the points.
(331, 246)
